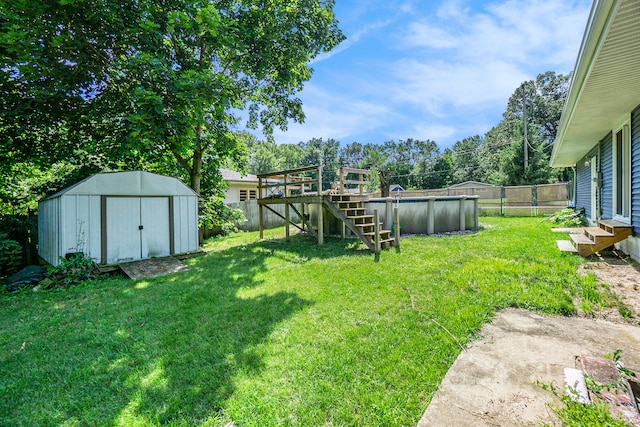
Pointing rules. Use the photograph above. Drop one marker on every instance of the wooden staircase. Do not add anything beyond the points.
(594, 239)
(352, 211)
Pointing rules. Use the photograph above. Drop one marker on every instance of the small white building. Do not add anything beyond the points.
(118, 217)
(241, 187)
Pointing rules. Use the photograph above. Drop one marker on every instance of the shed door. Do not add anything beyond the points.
(136, 228)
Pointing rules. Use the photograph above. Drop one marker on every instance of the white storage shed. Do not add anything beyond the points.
(118, 217)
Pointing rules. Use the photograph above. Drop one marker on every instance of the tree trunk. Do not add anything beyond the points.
(384, 182)
(195, 174)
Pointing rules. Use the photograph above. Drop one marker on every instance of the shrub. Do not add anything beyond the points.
(75, 269)
(215, 214)
(10, 256)
(569, 217)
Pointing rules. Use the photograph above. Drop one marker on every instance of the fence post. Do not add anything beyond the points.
(431, 215)
(376, 231)
(388, 212)
(502, 196)
(396, 222)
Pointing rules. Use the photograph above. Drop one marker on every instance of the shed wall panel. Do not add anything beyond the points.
(606, 164)
(635, 170)
(48, 227)
(185, 225)
(123, 234)
(154, 217)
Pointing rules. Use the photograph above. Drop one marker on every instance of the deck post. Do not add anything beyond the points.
(360, 186)
(287, 221)
(341, 173)
(431, 215)
(463, 224)
(286, 185)
(376, 231)
(302, 213)
(320, 223)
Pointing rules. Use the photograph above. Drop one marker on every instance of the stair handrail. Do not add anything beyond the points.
(344, 172)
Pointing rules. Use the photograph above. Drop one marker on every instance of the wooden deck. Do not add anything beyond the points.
(298, 188)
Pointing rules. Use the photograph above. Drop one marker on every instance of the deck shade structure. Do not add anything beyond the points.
(118, 217)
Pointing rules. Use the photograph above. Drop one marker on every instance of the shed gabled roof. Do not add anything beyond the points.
(134, 183)
(606, 80)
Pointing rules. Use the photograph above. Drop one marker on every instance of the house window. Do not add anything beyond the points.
(248, 194)
(622, 173)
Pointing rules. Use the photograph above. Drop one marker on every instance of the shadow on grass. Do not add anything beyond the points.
(166, 350)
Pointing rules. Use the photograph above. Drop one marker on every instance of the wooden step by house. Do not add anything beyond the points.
(593, 239)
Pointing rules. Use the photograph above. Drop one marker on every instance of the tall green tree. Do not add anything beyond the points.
(466, 159)
(316, 151)
(543, 100)
(157, 83)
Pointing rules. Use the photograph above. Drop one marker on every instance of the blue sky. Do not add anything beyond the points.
(438, 70)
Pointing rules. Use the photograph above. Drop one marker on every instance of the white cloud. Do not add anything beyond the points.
(483, 56)
(351, 40)
(330, 115)
(438, 86)
(439, 72)
(514, 30)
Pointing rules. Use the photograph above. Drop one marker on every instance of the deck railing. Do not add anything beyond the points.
(292, 182)
(347, 176)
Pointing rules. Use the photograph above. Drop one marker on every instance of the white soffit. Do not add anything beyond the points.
(606, 81)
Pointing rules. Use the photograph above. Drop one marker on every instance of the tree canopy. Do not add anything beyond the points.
(159, 85)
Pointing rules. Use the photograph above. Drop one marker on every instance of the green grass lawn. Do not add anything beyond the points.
(269, 333)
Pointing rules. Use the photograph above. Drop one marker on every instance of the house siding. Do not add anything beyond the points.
(635, 170)
(606, 167)
(583, 180)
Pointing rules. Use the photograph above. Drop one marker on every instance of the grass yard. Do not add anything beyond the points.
(268, 333)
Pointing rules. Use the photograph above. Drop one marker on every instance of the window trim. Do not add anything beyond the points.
(625, 128)
(250, 194)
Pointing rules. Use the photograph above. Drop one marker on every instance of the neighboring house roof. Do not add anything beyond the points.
(395, 187)
(471, 184)
(606, 80)
(233, 176)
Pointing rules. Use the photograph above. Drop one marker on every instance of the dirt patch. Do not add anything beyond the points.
(622, 274)
(492, 383)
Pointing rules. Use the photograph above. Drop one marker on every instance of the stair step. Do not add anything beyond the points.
(581, 239)
(613, 224)
(566, 246)
(359, 216)
(370, 224)
(597, 232)
(372, 233)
